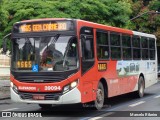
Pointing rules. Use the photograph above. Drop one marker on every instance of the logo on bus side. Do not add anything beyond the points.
(127, 68)
(102, 66)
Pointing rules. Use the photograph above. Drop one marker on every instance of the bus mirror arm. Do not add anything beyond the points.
(4, 47)
(4, 50)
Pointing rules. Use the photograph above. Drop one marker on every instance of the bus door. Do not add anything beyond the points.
(87, 63)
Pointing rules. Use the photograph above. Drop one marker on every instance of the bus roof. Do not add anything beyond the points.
(106, 27)
(144, 34)
(95, 25)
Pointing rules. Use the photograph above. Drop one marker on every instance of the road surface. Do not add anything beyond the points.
(124, 107)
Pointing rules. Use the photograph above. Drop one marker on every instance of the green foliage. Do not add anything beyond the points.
(110, 12)
(149, 23)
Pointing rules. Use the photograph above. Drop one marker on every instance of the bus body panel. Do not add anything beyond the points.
(118, 84)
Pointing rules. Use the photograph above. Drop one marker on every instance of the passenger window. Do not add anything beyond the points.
(144, 42)
(115, 46)
(126, 47)
(152, 48)
(102, 45)
(136, 47)
(136, 41)
(126, 41)
(144, 47)
(115, 39)
(152, 43)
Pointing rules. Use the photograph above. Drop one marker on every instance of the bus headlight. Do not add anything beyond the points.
(74, 84)
(70, 86)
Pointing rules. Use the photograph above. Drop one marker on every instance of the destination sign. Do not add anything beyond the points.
(44, 26)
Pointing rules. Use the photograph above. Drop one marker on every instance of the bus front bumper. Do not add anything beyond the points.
(71, 97)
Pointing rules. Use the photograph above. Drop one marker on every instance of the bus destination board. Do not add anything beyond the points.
(43, 26)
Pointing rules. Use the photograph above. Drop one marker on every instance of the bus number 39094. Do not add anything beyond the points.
(52, 87)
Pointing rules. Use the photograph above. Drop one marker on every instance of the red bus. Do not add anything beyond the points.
(65, 61)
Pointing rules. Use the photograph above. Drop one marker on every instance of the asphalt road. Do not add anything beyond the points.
(122, 107)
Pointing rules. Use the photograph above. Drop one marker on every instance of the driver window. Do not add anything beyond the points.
(88, 48)
(72, 53)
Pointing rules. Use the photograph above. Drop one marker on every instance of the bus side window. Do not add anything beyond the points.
(126, 47)
(152, 47)
(136, 47)
(102, 45)
(144, 48)
(87, 48)
(115, 46)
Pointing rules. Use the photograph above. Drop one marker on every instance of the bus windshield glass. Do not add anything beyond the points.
(57, 53)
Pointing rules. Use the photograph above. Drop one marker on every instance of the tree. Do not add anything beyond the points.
(149, 23)
(110, 12)
(3, 20)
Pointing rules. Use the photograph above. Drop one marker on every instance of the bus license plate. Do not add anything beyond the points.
(38, 97)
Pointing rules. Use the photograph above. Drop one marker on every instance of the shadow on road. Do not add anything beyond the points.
(79, 110)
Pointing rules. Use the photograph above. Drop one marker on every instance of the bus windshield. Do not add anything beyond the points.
(57, 53)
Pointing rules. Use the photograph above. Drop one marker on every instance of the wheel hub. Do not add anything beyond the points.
(99, 95)
(141, 89)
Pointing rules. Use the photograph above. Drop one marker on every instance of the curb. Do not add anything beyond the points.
(5, 98)
(4, 92)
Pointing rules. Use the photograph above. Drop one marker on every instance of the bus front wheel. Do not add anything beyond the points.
(99, 102)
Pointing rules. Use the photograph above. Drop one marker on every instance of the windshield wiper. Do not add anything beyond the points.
(54, 40)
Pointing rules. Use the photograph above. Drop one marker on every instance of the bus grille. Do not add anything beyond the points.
(40, 79)
(48, 96)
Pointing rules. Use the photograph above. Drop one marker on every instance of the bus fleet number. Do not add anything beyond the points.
(52, 88)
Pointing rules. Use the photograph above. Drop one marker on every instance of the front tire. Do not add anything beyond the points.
(99, 102)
